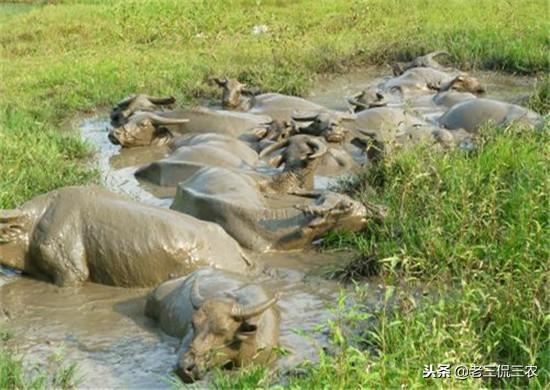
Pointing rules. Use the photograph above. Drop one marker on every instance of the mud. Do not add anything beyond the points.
(117, 166)
(104, 329)
(100, 328)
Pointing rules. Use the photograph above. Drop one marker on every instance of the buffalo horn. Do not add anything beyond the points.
(248, 311)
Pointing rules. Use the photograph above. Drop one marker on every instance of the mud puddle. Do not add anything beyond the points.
(117, 166)
(100, 328)
(105, 331)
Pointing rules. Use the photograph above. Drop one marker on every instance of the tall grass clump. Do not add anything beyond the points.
(540, 99)
(473, 227)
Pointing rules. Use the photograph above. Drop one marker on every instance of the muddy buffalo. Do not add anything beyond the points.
(222, 319)
(76, 234)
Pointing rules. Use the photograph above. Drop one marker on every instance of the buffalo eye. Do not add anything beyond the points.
(246, 330)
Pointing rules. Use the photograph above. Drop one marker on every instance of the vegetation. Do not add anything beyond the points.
(540, 100)
(472, 226)
(13, 375)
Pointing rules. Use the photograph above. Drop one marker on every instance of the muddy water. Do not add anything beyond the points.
(101, 328)
(117, 166)
(104, 329)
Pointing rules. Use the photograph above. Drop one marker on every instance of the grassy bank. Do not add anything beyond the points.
(471, 226)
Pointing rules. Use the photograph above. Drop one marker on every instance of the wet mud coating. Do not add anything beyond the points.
(105, 330)
(87, 233)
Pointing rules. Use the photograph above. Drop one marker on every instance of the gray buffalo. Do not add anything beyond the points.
(470, 115)
(235, 96)
(222, 319)
(133, 103)
(263, 221)
(78, 234)
(422, 80)
(196, 152)
(161, 128)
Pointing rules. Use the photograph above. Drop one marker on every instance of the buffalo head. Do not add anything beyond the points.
(232, 93)
(464, 83)
(14, 238)
(143, 129)
(368, 98)
(298, 151)
(301, 155)
(127, 106)
(275, 131)
(11, 225)
(322, 124)
(340, 212)
(225, 333)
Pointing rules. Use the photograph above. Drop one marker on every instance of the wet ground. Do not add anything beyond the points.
(104, 329)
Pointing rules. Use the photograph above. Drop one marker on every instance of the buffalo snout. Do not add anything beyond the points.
(113, 137)
(187, 370)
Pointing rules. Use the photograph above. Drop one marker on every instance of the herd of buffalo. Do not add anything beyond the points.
(249, 179)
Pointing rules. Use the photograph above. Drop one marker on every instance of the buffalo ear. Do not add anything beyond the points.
(246, 330)
(221, 83)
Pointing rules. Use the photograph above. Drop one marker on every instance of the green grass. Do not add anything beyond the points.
(13, 375)
(470, 225)
(540, 100)
(475, 228)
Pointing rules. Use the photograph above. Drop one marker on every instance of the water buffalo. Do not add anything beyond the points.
(368, 98)
(300, 157)
(76, 234)
(321, 125)
(263, 221)
(198, 151)
(423, 80)
(384, 122)
(425, 61)
(339, 158)
(277, 106)
(133, 103)
(159, 128)
(222, 319)
(433, 106)
(470, 115)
